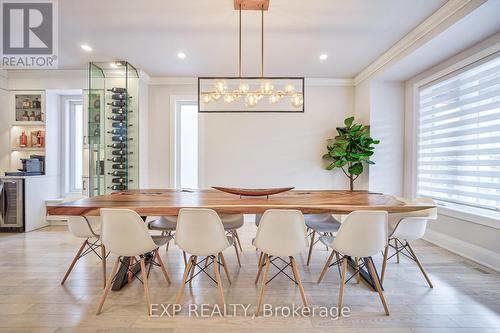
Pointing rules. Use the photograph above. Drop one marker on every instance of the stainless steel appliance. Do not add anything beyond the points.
(11, 205)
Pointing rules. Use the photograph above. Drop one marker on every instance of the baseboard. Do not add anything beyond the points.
(470, 251)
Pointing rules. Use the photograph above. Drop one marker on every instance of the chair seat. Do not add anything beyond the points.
(232, 221)
(161, 240)
(164, 223)
(322, 222)
(327, 240)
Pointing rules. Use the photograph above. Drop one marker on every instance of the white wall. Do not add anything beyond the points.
(387, 125)
(252, 149)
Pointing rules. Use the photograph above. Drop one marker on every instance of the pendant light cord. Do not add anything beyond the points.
(239, 38)
(262, 42)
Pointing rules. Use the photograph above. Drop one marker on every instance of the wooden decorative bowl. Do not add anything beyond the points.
(253, 192)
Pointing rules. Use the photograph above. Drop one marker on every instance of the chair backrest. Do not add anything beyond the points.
(124, 233)
(281, 233)
(412, 225)
(84, 227)
(362, 234)
(200, 232)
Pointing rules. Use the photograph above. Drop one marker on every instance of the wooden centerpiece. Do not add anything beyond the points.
(253, 192)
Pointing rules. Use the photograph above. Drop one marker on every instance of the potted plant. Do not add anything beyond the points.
(352, 147)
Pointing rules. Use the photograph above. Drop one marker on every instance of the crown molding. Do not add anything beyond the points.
(4, 73)
(329, 82)
(453, 11)
(144, 77)
(163, 80)
(332, 82)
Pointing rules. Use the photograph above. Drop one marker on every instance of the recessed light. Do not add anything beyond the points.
(181, 55)
(86, 47)
(323, 56)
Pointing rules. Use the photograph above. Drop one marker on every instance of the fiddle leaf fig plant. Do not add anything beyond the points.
(350, 149)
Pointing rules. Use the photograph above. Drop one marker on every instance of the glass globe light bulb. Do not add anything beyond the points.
(273, 99)
(251, 100)
(236, 95)
(228, 98)
(297, 100)
(216, 96)
(220, 86)
(207, 98)
(244, 87)
(266, 86)
(289, 88)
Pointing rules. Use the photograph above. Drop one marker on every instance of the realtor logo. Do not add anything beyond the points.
(29, 34)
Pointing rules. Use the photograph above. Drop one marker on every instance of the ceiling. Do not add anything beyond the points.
(149, 34)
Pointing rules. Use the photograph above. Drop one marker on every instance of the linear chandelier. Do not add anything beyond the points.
(244, 94)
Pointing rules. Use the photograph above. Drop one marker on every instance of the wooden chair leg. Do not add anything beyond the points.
(193, 268)
(206, 262)
(419, 265)
(397, 249)
(183, 281)
(237, 253)
(168, 243)
(219, 281)
(342, 284)
(108, 285)
(162, 266)
(356, 267)
(144, 274)
(238, 239)
(327, 264)
(384, 264)
(313, 236)
(299, 281)
(185, 259)
(263, 285)
(373, 273)
(130, 266)
(75, 259)
(103, 259)
(262, 263)
(226, 270)
(260, 259)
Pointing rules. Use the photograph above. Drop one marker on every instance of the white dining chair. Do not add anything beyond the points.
(125, 234)
(281, 234)
(200, 233)
(321, 224)
(87, 228)
(362, 234)
(231, 223)
(409, 227)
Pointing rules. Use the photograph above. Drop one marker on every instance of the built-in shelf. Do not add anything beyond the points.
(28, 123)
(27, 149)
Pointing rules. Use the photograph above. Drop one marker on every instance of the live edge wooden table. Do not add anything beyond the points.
(164, 202)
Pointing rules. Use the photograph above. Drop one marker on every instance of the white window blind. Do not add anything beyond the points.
(459, 136)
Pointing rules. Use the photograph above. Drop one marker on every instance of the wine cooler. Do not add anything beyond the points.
(113, 127)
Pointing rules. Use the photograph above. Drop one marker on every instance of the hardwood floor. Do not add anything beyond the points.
(465, 298)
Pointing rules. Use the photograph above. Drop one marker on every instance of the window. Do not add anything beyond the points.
(75, 146)
(186, 137)
(459, 136)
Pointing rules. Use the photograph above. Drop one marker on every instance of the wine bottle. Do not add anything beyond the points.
(118, 131)
(118, 187)
(118, 90)
(118, 180)
(118, 145)
(120, 103)
(119, 97)
(119, 152)
(119, 110)
(119, 117)
(118, 166)
(120, 159)
(118, 173)
(119, 138)
(120, 125)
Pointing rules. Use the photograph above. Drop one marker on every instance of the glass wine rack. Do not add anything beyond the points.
(113, 124)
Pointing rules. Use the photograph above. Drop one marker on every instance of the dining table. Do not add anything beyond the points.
(168, 202)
